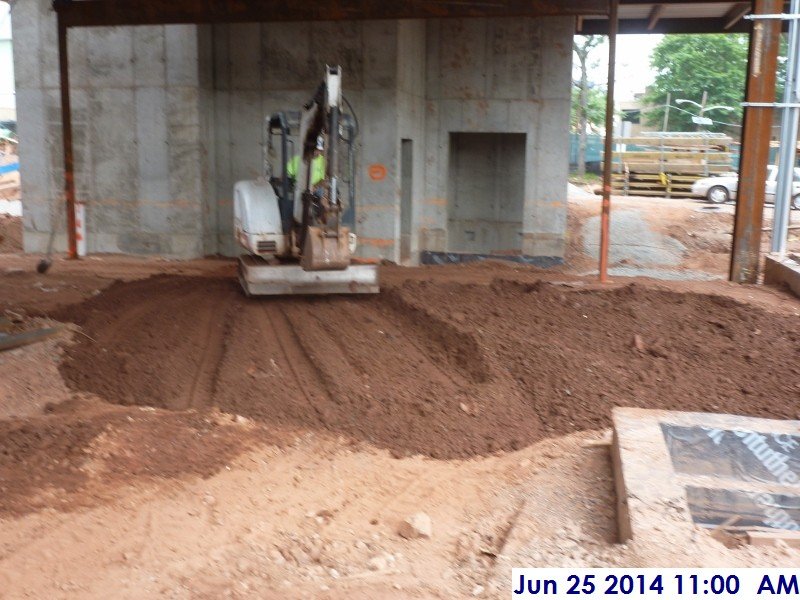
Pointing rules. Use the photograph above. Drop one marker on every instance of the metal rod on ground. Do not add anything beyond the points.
(605, 215)
(10, 342)
(788, 148)
(761, 69)
(66, 132)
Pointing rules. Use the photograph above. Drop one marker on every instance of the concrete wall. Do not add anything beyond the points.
(501, 75)
(141, 142)
(411, 123)
(168, 118)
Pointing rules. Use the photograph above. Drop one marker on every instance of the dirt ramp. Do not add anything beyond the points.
(380, 369)
(443, 369)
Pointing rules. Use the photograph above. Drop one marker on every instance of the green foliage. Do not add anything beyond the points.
(595, 110)
(688, 65)
(584, 48)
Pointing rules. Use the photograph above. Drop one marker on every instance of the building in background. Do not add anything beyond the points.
(631, 116)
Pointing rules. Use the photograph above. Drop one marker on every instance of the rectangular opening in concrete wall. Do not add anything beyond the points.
(406, 186)
(486, 193)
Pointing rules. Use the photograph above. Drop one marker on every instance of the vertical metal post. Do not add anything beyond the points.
(789, 127)
(702, 111)
(761, 75)
(66, 133)
(605, 215)
(666, 113)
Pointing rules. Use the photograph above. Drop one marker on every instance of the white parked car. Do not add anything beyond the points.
(722, 188)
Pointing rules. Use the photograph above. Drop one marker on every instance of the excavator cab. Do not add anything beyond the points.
(294, 227)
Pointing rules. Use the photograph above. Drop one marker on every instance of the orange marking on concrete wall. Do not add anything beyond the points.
(380, 243)
(436, 201)
(377, 172)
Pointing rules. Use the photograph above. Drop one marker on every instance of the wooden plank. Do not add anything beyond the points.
(772, 537)
(658, 156)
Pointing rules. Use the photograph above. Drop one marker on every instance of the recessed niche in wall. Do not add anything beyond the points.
(486, 192)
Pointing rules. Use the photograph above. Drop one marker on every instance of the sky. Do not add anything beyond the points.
(5, 20)
(633, 64)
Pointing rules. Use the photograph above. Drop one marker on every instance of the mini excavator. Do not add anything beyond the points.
(291, 220)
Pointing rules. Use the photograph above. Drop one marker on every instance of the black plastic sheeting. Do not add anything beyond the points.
(426, 257)
(744, 455)
(712, 507)
(739, 455)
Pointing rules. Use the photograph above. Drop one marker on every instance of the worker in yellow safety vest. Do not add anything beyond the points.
(317, 168)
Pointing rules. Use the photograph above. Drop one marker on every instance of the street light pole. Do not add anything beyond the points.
(702, 107)
(699, 118)
(666, 112)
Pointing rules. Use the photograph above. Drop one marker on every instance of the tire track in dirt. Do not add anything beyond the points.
(324, 354)
(335, 336)
(368, 329)
(216, 325)
(296, 358)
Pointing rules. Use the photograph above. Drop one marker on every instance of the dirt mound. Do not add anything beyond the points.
(447, 370)
(45, 461)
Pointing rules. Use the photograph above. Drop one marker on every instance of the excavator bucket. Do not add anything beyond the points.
(325, 251)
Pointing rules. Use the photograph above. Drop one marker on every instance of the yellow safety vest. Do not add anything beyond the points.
(317, 168)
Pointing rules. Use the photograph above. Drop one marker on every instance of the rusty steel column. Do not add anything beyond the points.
(605, 215)
(66, 133)
(756, 132)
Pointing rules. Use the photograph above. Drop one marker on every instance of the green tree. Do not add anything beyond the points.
(595, 108)
(582, 47)
(686, 66)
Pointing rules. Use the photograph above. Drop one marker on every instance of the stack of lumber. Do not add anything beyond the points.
(668, 163)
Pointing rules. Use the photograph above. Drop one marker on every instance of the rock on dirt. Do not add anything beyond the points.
(418, 525)
(638, 343)
(380, 562)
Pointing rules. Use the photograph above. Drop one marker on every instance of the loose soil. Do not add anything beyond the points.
(183, 441)
(10, 234)
(446, 370)
(45, 460)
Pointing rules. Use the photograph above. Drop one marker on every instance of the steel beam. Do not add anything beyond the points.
(608, 158)
(87, 13)
(736, 13)
(66, 137)
(761, 76)
(655, 15)
(665, 26)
